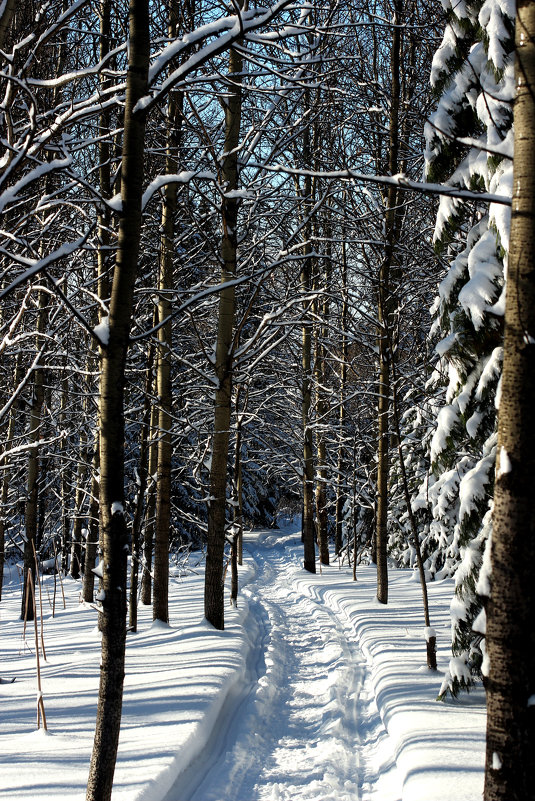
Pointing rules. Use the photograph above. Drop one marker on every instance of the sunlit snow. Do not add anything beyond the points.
(314, 691)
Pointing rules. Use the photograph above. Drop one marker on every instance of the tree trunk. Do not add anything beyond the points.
(238, 478)
(6, 478)
(510, 763)
(141, 491)
(386, 312)
(94, 542)
(76, 546)
(114, 531)
(341, 463)
(5, 20)
(308, 533)
(32, 495)
(160, 608)
(88, 584)
(322, 406)
(430, 634)
(213, 588)
(322, 522)
(150, 512)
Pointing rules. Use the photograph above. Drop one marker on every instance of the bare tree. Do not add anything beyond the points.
(114, 530)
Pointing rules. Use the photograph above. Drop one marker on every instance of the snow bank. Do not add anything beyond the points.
(438, 747)
(177, 679)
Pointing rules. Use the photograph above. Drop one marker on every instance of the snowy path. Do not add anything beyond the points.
(313, 692)
(294, 733)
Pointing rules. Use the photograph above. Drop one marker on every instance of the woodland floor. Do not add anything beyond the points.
(314, 691)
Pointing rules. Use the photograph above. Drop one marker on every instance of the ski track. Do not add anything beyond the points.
(291, 731)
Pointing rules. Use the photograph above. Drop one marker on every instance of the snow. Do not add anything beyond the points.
(447, 418)
(491, 18)
(183, 177)
(504, 463)
(98, 570)
(102, 330)
(474, 485)
(429, 633)
(313, 691)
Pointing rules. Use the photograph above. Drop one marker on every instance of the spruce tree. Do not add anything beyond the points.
(468, 144)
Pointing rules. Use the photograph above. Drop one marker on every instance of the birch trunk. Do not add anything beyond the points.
(510, 765)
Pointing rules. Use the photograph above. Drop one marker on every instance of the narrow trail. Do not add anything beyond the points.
(293, 731)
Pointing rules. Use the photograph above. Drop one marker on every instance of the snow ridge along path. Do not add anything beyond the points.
(295, 735)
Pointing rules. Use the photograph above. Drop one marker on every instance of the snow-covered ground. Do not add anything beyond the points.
(314, 691)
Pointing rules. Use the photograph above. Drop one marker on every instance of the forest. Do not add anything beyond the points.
(263, 263)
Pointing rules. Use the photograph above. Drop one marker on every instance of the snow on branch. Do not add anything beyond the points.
(27, 446)
(11, 194)
(227, 30)
(400, 180)
(38, 265)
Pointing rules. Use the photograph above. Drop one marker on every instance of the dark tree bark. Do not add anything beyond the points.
(141, 492)
(322, 404)
(510, 762)
(88, 584)
(307, 527)
(5, 480)
(160, 600)
(76, 545)
(386, 311)
(5, 20)
(213, 588)
(31, 511)
(114, 531)
(94, 528)
(341, 462)
(150, 512)
(238, 474)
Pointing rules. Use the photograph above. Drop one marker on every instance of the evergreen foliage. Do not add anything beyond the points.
(468, 144)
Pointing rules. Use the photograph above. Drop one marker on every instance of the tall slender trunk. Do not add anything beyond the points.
(114, 530)
(430, 634)
(510, 638)
(386, 312)
(66, 478)
(88, 584)
(94, 542)
(141, 492)
(104, 170)
(322, 406)
(341, 462)
(321, 453)
(31, 511)
(160, 604)
(6, 478)
(76, 545)
(238, 476)
(213, 588)
(308, 534)
(150, 512)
